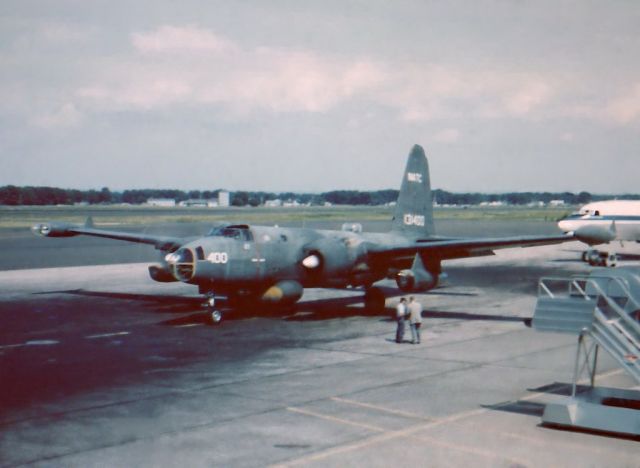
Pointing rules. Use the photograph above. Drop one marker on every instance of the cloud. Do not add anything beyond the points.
(192, 66)
(567, 137)
(174, 39)
(531, 95)
(148, 93)
(626, 109)
(66, 116)
(171, 71)
(448, 135)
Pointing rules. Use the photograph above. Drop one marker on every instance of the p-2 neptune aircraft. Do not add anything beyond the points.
(273, 265)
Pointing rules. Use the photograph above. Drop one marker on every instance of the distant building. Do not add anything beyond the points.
(165, 202)
(223, 198)
(273, 203)
(556, 202)
(197, 202)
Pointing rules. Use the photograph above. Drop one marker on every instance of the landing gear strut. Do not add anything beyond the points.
(215, 314)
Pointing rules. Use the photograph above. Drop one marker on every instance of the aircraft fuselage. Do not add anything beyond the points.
(241, 256)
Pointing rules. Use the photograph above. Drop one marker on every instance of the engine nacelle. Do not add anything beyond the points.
(413, 281)
(283, 292)
(161, 274)
(53, 229)
(594, 235)
(329, 257)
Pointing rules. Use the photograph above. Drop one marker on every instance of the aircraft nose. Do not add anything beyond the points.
(182, 264)
(565, 225)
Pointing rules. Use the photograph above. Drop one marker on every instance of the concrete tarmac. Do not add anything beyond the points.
(100, 366)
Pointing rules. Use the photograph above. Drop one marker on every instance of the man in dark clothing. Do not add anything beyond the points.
(401, 312)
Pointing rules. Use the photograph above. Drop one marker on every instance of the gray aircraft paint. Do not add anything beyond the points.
(274, 264)
(413, 215)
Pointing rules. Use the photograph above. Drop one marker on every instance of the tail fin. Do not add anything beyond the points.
(413, 215)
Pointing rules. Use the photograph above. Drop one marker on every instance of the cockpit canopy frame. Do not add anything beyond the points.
(240, 232)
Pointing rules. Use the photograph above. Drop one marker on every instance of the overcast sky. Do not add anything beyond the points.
(315, 96)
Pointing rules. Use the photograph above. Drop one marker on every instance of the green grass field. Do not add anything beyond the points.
(19, 217)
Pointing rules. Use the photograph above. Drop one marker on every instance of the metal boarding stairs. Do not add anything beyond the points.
(604, 311)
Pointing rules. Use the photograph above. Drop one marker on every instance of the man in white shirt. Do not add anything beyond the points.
(415, 319)
(401, 312)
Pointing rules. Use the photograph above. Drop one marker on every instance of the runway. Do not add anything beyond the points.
(100, 366)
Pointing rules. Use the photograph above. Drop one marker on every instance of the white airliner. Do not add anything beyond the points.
(603, 222)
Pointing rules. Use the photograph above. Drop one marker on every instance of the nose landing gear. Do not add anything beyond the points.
(214, 313)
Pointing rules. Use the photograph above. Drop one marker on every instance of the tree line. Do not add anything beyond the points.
(16, 196)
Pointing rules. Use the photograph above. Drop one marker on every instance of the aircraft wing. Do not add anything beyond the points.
(164, 243)
(446, 249)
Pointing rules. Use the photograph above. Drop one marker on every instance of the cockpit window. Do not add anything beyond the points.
(232, 232)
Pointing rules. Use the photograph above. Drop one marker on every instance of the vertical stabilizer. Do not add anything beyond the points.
(413, 215)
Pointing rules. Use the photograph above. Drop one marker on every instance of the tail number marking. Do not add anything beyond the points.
(414, 177)
(413, 220)
(218, 257)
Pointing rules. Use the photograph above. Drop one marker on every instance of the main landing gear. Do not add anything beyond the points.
(599, 258)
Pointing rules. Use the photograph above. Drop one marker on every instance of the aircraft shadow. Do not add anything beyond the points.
(159, 303)
(319, 309)
(324, 309)
(438, 292)
(471, 316)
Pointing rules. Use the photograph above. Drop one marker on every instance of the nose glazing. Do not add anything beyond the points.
(182, 264)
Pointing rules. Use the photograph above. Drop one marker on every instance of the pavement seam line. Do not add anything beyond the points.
(368, 441)
(407, 432)
(380, 408)
(421, 438)
(335, 419)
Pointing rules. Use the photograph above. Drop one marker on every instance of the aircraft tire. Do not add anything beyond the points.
(215, 315)
(593, 258)
(374, 300)
(584, 256)
(610, 261)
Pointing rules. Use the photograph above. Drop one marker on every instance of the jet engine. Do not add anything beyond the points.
(417, 278)
(283, 292)
(593, 235)
(329, 257)
(53, 229)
